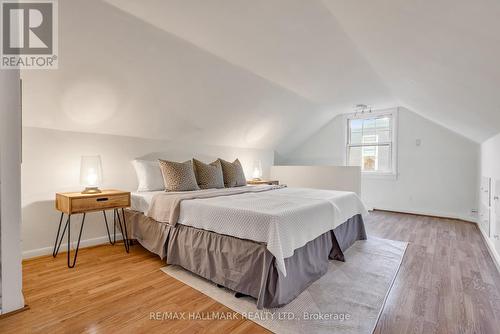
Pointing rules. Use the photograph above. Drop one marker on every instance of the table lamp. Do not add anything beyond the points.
(91, 174)
(257, 170)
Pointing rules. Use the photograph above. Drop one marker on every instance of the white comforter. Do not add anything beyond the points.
(285, 219)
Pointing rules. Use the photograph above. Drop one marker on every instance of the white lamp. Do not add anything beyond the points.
(257, 170)
(91, 174)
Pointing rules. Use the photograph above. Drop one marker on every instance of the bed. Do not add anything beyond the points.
(268, 242)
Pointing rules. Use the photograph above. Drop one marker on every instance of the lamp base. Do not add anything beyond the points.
(91, 190)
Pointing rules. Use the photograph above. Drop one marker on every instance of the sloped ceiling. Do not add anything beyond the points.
(264, 74)
(120, 75)
(295, 44)
(440, 58)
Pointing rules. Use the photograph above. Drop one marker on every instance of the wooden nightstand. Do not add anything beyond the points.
(257, 182)
(76, 203)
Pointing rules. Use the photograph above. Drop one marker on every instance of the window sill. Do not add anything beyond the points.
(379, 176)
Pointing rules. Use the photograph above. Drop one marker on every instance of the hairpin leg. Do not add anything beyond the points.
(114, 226)
(57, 236)
(125, 228)
(124, 235)
(107, 228)
(57, 245)
(72, 265)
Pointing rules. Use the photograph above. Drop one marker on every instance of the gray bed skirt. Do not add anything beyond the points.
(242, 265)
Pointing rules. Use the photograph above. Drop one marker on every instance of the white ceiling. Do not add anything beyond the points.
(264, 73)
(440, 58)
(295, 44)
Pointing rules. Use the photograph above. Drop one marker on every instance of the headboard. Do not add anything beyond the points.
(321, 177)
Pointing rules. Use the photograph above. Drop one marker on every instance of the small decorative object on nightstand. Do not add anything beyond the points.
(257, 182)
(77, 202)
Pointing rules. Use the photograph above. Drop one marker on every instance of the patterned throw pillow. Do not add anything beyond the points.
(233, 174)
(178, 176)
(208, 175)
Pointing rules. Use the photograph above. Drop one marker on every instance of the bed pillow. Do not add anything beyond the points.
(208, 175)
(148, 175)
(178, 176)
(233, 174)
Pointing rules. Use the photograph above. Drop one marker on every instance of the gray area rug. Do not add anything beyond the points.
(348, 299)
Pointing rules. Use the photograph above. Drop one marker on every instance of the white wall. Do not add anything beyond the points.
(437, 178)
(52, 164)
(10, 191)
(490, 167)
(120, 80)
(343, 178)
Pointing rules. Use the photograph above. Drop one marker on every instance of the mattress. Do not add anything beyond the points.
(284, 219)
(140, 201)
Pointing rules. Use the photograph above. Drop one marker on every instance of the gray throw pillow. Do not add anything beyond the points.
(178, 176)
(233, 174)
(208, 175)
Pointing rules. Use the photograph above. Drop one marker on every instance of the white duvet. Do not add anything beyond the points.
(285, 219)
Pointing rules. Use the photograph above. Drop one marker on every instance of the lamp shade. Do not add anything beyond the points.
(257, 170)
(91, 171)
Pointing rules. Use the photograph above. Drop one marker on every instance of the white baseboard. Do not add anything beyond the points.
(428, 213)
(83, 243)
(491, 249)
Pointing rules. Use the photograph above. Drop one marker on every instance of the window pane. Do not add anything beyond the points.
(370, 139)
(383, 123)
(371, 158)
(370, 130)
(356, 124)
(355, 131)
(384, 136)
(369, 123)
(356, 137)
(354, 156)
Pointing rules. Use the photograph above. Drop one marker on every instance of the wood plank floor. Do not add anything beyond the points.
(447, 284)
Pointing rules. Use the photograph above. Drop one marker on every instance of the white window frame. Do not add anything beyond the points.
(393, 113)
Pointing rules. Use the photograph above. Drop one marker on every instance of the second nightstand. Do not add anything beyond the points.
(257, 182)
(76, 203)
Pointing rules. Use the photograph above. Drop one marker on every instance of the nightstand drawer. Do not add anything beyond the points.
(99, 203)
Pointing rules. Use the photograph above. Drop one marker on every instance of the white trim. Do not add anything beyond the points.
(425, 213)
(393, 112)
(491, 249)
(379, 176)
(10, 188)
(83, 243)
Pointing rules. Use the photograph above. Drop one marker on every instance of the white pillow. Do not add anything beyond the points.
(149, 175)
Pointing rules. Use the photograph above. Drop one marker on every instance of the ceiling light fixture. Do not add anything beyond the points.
(361, 109)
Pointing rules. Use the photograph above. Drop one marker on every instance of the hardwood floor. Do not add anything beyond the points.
(447, 284)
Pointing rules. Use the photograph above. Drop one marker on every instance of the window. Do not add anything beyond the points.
(371, 144)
